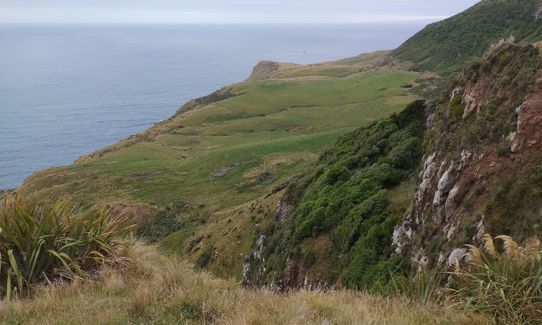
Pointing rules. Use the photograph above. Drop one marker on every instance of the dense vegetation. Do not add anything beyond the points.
(445, 46)
(223, 152)
(54, 243)
(347, 200)
(504, 281)
(213, 176)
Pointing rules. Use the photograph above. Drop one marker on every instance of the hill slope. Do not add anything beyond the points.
(160, 290)
(481, 171)
(445, 46)
(481, 174)
(195, 176)
(233, 181)
(335, 225)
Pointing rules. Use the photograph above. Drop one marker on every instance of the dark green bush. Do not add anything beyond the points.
(447, 45)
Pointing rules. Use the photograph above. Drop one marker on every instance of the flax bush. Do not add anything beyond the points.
(44, 244)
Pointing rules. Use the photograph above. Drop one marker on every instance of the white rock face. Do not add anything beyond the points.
(512, 139)
(401, 236)
(465, 158)
(428, 170)
(420, 259)
(282, 211)
(450, 231)
(481, 230)
(457, 255)
(445, 185)
(471, 105)
(450, 205)
(257, 254)
(246, 270)
(441, 259)
(455, 92)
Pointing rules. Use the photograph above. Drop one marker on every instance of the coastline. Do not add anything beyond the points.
(4, 191)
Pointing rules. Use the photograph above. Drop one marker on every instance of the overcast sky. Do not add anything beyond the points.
(227, 11)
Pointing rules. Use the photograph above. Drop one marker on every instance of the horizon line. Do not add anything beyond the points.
(428, 20)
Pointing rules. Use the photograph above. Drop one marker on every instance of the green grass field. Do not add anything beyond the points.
(235, 150)
(223, 155)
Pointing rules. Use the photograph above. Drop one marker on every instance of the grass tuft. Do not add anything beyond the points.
(54, 243)
(505, 284)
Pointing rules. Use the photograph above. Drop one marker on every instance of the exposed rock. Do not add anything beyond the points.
(257, 254)
(471, 105)
(457, 256)
(221, 172)
(246, 274)
(426, 175)
(481, 230)
(263, 70)
(513, 142)
(464, 176)
(420, 259)
(450, 205)
(466, 155)
(401, 236)
(450, 230)
(457, 91)
(445, 185)
(282, 211)
(441, 259)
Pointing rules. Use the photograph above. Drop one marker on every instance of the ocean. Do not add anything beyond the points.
(67, 90)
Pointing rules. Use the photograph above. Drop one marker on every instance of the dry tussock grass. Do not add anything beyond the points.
(156, 289)
(504, 281)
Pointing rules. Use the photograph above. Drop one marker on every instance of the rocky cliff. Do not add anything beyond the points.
(482, 168)
(357, 219)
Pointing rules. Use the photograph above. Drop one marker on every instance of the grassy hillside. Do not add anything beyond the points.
(160, 290)
(224, 151)
(445, 46)
(237, 183)
(342, 215)
(233, 150)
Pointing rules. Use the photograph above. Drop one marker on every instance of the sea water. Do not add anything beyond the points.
(67, 90)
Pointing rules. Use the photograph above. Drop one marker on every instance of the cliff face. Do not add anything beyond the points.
(263, 70)
(350, 222)
(482, 167)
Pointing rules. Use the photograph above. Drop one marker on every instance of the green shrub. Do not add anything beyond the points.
(447, 45)
(344, 201)
(164, 223)
(54, 243)
(421, 288)
(205, 258)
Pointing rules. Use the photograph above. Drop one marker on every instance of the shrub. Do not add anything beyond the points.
(506, 283)
(54, 243)
(165, 222)
(421, 288)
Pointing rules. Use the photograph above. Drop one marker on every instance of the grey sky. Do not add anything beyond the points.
(227, 11)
